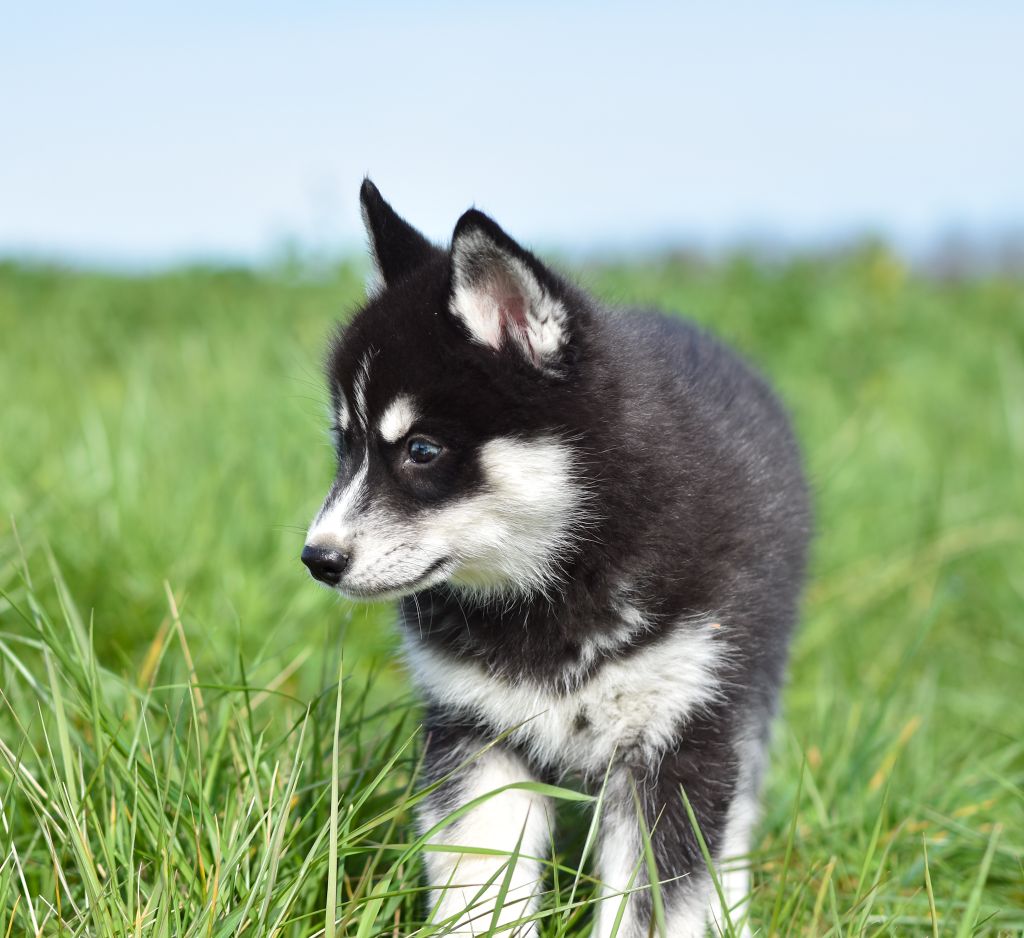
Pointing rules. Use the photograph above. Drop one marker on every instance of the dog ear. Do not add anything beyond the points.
(397, 247)
(503, 295)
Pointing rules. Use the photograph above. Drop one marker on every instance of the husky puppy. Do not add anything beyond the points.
(595, 523)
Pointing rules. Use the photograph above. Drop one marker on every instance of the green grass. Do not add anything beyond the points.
(178, 755)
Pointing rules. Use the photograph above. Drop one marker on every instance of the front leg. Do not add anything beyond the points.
(465, 886)
(719, 777)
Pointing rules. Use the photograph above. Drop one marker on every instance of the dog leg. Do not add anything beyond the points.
(465, 886)
(646, 797)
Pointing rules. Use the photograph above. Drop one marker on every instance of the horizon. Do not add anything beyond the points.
(176, 135)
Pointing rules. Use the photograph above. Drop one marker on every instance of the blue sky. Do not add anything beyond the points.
(156, 132)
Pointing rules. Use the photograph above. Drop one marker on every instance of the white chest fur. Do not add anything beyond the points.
(635, 702)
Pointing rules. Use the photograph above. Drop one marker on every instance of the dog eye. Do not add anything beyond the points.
(422, 451)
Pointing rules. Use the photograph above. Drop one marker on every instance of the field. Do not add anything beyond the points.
(179, 757)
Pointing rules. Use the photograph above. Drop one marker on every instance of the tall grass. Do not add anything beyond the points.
(183, 753)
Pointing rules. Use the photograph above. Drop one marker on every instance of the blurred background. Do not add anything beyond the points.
(835, 189)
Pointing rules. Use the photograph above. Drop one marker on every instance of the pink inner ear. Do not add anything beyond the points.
(512, 313)
(512, 310)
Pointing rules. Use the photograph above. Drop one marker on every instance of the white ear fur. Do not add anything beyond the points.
(374, 281)
(498, 298)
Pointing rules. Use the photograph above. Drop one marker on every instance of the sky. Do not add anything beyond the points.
(155, 133)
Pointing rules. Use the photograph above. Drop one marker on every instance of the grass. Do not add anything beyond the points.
(184, 750)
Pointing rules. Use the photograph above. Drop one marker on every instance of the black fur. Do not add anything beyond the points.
(397, 247)
(697, 499)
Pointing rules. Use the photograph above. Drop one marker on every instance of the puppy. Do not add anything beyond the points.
(595, 522)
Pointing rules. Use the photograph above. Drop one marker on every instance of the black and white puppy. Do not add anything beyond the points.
(595, 521)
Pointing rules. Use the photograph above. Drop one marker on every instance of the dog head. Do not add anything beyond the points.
(454, 400)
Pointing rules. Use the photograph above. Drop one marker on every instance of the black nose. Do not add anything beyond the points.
(325, 563)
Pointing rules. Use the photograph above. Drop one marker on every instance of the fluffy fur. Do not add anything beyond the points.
(595, 521)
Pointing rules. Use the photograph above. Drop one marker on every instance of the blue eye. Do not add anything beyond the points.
(422, 451)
